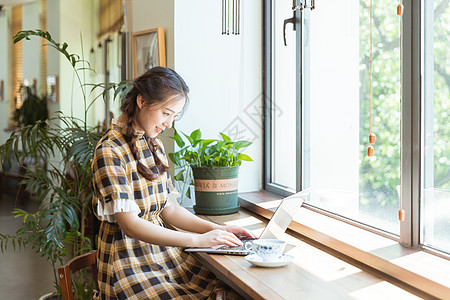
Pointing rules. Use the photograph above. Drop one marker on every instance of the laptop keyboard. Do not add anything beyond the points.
(241, 247)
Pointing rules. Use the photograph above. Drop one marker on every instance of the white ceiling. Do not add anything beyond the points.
(14, 2)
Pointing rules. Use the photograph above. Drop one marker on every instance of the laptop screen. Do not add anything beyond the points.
(283, 216)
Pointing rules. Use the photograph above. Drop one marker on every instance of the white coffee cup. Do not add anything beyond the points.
(267, 249)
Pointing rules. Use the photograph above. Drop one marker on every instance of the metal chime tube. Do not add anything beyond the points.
(303, 5)
(228, 16)
(231, 16)
(233, 21)
(223, 16)
(238, 16)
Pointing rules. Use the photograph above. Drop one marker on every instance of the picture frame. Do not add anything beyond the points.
(148, 50)
(1, 90)
(52, 88)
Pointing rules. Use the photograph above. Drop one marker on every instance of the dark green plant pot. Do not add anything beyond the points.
(216, 190)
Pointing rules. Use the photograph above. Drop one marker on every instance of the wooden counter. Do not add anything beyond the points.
(313, 274)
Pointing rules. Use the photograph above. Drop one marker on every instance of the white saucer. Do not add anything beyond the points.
(256, 260)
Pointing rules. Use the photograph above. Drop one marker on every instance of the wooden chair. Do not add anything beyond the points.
(65, 272)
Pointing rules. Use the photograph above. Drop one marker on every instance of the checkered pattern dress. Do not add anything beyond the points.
(129, 268)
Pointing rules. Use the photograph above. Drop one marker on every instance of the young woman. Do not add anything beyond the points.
(139, 257)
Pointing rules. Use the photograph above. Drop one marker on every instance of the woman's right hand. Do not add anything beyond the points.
(216, 237)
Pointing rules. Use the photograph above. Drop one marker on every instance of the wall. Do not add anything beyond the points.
(224, 76)
(148, 14)
(53, 8)
(75, 25)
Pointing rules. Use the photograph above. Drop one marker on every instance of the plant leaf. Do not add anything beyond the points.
(225, 137)
(245, 157)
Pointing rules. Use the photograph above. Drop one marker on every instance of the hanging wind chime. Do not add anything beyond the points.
(371, 134)
(401, 212)
(231, 17)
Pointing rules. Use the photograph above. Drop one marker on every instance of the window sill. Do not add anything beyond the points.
(419, 272)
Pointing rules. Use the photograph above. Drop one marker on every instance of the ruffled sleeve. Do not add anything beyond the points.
(111, 186)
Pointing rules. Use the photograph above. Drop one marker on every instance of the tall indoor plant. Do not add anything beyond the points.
(214, 167)
(58, 230)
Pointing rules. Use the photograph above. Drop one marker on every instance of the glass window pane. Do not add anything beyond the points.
(435, 214)
(284, 105)
(344, 180)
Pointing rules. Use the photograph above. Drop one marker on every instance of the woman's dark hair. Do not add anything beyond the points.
(155, 86)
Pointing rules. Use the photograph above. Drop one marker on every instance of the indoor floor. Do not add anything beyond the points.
(23, 273)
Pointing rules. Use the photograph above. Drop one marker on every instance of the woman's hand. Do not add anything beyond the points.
(216, 237)
(238, 231)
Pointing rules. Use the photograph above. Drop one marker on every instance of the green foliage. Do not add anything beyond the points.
(208, 153)
(33, 109)
(63, 189)
(380, 176)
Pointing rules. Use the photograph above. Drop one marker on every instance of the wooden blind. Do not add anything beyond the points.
(16, 54)
(111, 16)
(43, 48)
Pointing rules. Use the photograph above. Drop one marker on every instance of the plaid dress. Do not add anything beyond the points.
(129, 268)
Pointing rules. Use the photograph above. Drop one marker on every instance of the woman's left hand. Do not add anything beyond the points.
(238, 231)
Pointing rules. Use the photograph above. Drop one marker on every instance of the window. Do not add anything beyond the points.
(436, 129)
(330, 95)
(282, 129)
(345, 180)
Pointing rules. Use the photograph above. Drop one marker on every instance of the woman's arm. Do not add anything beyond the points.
(179, 217)
(143, 230)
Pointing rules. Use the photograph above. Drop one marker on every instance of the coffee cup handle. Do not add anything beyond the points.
(249, 247)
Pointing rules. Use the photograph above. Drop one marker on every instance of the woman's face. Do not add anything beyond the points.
(154, 119)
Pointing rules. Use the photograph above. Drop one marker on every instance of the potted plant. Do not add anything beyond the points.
(33, 109)
(59, 228)
(213, 166)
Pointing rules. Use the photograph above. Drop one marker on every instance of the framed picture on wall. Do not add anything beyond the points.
(52, 88)
(148, 50)
(1, 90)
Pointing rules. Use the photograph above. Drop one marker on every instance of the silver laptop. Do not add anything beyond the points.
(276, 227)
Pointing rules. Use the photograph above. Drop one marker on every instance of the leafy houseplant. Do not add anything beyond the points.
(59, 228)
(33, 109)
(213, 166)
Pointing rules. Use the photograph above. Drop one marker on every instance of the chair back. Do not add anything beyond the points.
(77, 263)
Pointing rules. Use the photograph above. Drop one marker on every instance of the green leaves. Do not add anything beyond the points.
(196, 135)
(25, 34)
(208, 152)
(244, 157)
(178, 139)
